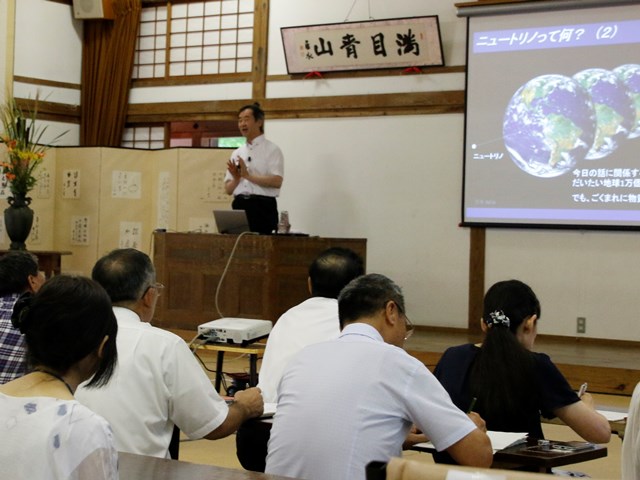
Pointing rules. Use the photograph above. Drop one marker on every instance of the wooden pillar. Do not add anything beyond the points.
(476, 278)
(260, 42)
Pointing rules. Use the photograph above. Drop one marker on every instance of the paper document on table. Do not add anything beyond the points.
(499, 440)
(453, 474)
(612, 416)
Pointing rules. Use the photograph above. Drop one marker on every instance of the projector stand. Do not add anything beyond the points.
(253, 350)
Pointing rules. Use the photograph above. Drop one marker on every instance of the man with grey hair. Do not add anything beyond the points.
(353, 400)
(157, 383)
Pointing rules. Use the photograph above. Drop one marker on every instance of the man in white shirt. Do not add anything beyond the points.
(255, 172)
(346, 402)
(158, 383)
(631, 443)
(314, 320)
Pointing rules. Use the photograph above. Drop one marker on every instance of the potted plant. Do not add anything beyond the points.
(24, 153)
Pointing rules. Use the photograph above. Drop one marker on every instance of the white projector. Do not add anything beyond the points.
(234, 330)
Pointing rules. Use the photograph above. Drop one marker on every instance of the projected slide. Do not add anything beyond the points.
(553, 119)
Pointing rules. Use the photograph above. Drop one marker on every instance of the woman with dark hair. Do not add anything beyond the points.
(508, 384)
(70, 333)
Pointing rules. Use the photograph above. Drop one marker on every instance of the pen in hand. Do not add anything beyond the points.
(583, 389)
(473, 404)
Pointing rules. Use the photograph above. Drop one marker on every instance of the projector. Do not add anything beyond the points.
(240, 331)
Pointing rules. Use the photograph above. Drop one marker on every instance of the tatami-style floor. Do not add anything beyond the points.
(222, 452)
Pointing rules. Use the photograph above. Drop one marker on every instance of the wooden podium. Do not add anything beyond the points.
(266, 276)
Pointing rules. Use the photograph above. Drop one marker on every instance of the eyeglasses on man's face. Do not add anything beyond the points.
(409, 327)
(157, 286)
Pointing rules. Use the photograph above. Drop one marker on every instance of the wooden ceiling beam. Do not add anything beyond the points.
(53, 111)
(305, 107)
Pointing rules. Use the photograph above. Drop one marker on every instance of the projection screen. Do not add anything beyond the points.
(552, 126)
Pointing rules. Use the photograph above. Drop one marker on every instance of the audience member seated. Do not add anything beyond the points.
(18, 274)
(346, 402)
(314, 320)
(508, 384)
(631, 443)
(70, 333)
(158, 382)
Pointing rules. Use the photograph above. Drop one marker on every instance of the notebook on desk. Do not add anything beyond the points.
(612, 415)
(499, 441)
(231, 221)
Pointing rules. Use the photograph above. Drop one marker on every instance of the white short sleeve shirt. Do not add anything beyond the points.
(52, 439)
(312, 321)
(347, 402)
(157, 384)
(262, 157)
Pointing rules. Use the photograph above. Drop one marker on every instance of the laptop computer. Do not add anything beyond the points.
(231, 221)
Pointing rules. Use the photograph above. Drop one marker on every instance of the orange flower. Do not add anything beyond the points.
(24, 150)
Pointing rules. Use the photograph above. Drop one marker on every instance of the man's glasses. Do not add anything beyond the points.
(158, 286)
(410, 328)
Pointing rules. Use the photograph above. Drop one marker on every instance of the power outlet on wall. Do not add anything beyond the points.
(581, 325)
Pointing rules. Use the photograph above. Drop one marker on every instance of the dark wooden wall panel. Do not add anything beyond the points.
(266, 277)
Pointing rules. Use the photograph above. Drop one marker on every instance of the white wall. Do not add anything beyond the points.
(397, 181)
(57, 55)
(384, 178)
(381, 179)
(575, 274)
(6, 41)
(48, 46)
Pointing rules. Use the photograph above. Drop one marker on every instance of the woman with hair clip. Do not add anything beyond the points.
(507, 383)
(70, 333)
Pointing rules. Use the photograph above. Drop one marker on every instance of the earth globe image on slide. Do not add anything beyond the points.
(549, 125)
(615, 112)
(630, 76)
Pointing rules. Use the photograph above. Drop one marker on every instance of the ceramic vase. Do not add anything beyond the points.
(18, 219)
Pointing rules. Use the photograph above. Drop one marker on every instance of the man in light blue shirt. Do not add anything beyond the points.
(347, 402)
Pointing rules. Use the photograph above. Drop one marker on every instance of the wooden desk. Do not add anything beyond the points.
(266, 277)
(253, 350)
(529, 454)
(141, 467)
(50, 262)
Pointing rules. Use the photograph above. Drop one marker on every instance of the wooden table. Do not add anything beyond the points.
(50, 262)
(530, 454)
(141, 467)
(544, 458)
(254, 350)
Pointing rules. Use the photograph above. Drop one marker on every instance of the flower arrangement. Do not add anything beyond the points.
(24, 151)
